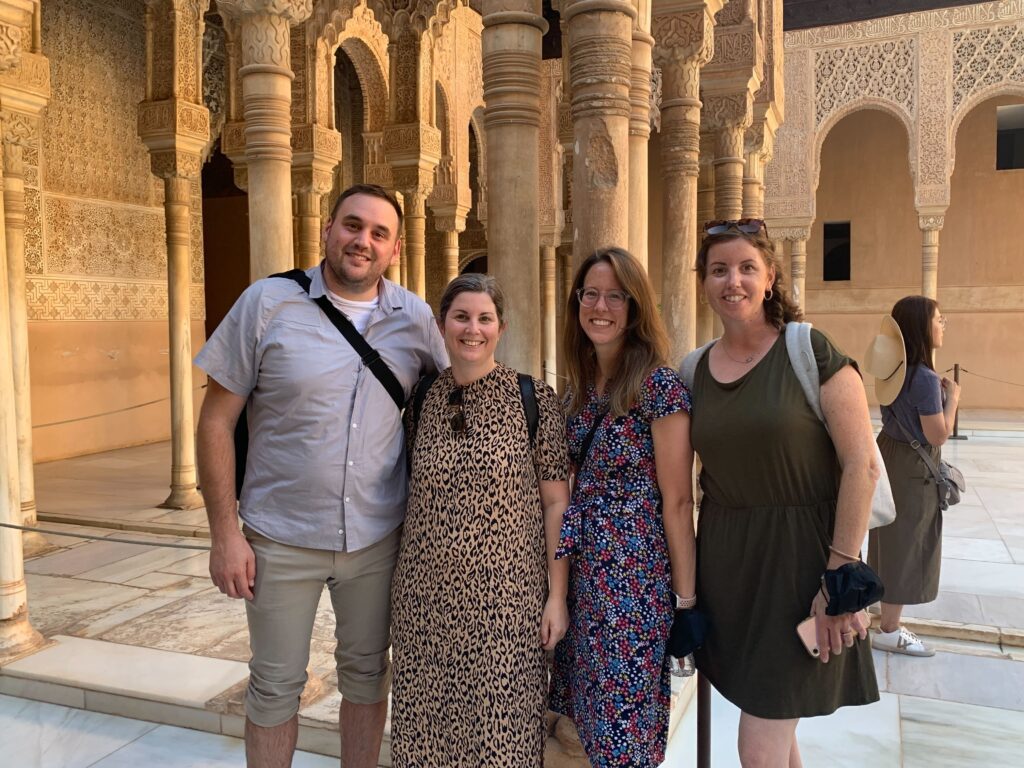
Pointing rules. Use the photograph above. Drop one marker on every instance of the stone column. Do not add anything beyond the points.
(175, 126)
(511, 47)
(753, 186)
(266, 93)
(600, 50)
(729, 117)
(17, 636)
(798, 268)
(683, 33)
(18, 133)
(705, 213)
(549, 308)
(639, 136)
(450, 220)
(930, 224)
(310, 185)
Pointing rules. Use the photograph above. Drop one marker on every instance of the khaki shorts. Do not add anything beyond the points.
(289, 583)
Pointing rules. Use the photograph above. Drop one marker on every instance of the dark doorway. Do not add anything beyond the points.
(225, 238)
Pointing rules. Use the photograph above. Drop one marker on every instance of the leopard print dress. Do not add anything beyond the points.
(471, 581)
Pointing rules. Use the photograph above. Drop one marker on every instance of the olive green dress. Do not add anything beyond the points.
(770, 479)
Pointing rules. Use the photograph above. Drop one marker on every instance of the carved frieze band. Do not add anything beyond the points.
(986, 57)
(53, 298)
(884, 70)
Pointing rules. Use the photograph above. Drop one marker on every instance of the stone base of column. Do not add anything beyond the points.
(18, 638)
(34, 544)
(183, 498)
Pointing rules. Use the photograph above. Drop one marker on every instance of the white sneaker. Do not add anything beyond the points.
(901, 640)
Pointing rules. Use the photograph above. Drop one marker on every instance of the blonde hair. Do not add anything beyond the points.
(644, 348)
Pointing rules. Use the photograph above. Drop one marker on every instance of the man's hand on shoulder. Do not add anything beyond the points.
(233, 565)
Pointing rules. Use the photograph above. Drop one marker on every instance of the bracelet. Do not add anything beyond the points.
(682, 603)
(851, 558)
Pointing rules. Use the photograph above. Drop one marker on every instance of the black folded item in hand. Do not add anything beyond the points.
(851, 587)
(689, 628)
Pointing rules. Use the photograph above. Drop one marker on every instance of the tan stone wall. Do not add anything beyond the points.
(96, 254)
(865, 179)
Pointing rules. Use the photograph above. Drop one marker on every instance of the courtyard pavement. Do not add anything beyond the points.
(146, 655)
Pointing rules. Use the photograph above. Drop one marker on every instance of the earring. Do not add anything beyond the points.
(769, 294)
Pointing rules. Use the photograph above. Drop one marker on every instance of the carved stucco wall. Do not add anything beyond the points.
(926, 69)
(97, 248)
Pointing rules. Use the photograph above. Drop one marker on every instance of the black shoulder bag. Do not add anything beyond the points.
(370, 357)
(949, 481)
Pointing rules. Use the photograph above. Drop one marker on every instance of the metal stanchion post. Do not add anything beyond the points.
(703, 722)
(956, 419)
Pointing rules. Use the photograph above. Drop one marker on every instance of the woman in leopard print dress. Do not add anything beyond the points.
(473, 611)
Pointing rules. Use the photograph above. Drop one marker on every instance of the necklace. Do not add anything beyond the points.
(749, 359)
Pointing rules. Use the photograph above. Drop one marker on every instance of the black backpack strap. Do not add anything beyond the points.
(528, 394)
(371, 358)
(418, 397)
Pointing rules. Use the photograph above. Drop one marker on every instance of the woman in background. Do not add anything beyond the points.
(907, 553)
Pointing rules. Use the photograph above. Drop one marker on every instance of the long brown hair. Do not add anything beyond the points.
(913, 314)
(779, 309)
(644, 348)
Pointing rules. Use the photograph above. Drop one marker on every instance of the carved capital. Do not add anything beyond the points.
(175, 163)
(10, 44)
(792, 234)
(412, 144)
(232, 140)
(732, 111)
(683, 35)
(931, 222)
(312, 141)
(159, 120)
(315, 179)
(295, 11)
(18, 129)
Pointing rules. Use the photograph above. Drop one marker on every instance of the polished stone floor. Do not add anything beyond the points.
(139, 632)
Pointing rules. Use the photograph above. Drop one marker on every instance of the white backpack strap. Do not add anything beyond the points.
(688, 367)
(801, 357)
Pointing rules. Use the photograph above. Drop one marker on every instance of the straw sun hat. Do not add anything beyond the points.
(886, 360)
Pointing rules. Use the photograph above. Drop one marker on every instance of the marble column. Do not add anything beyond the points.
(798, 268)
(728, 116)
(683, 34)
(931, 225)
(705, 213)
(753, 186)
(266, 93)
(511, 47)
(639, 138)
(18, 133)
(310, 185)
(17, 635)
(549, 309)
(600, 49)
(450, 220)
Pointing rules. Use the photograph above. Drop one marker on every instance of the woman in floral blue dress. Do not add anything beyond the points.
(629, 526)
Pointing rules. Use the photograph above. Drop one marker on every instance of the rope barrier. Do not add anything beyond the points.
(987, 378)
(119, 540)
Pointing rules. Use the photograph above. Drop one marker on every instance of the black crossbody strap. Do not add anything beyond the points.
(585, 446)
(371, 358)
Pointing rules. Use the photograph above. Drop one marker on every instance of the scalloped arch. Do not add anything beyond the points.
(976, 100)
(878, 104)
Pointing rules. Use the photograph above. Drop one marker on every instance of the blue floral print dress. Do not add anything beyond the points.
(611, 673)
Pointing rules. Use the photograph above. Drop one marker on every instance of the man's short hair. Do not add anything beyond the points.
(373, 190)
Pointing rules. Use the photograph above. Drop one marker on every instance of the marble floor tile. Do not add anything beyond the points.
(1015, 545)
(39, 735)
(193, 517)
(139, 565)
(173, 678)
(997, 579)
(158, 580)
(942, 734)
(56, 602)
(197, 565)
(94, 625)
(189, 625)
(986, 681)
(852, 737)
(985, 550)
(950, 606)
(973, 522)
(1003, 611)
(170, 747)
(91, 555)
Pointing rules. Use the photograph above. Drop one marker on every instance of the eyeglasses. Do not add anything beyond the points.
(612, 299)
(746, 226)
(942, 322)
(457, 414)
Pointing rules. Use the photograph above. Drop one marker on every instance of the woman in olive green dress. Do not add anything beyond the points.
(783, 503)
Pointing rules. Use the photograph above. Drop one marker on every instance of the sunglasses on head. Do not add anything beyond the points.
(457, 414)
(746, 226)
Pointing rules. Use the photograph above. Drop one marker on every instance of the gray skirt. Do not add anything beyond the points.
(907, 553)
